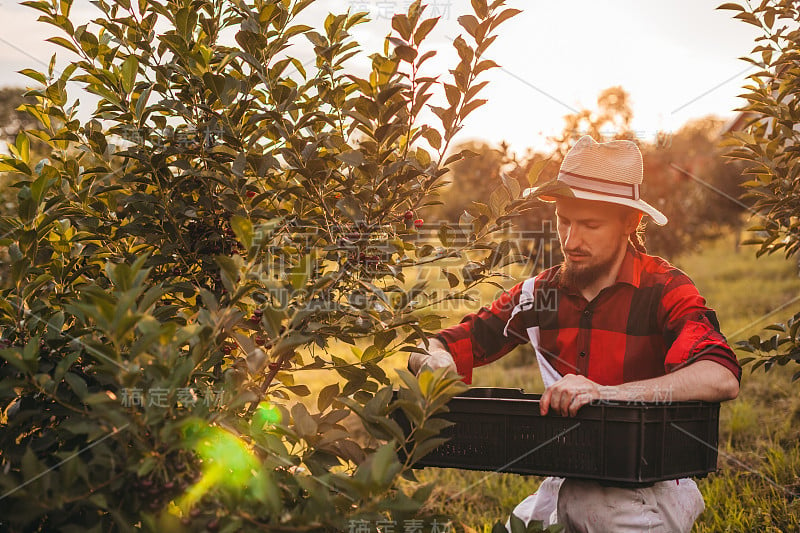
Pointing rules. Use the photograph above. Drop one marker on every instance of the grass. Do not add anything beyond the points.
(757, 486)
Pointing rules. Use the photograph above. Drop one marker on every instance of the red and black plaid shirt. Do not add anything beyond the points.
(651, 321)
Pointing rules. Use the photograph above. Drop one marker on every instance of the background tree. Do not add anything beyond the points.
(769, 144)
(221, 220)
(691, 182)
(609, 121)
(12, 119)
(687, 178)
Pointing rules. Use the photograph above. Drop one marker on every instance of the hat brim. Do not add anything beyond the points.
(553, 189)
(548, 191)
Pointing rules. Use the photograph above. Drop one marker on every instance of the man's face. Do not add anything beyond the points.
(592, 236)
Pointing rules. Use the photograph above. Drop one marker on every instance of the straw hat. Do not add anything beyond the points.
(606, 172)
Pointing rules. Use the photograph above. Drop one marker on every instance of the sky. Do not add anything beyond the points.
(678, 60)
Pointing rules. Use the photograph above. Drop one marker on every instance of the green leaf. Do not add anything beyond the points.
(481, 8)
(453, 94)
(384, 465)
(300, 390)
(229, 271)
(413, 411)
(31, 466)
(23, 146)
(411, 382)
(535, 171)
(511, 185)
(731, 6)
(33, 74)
(425, 379)
(465, 52)
(146, 466)
(427, 446)
(299, 274)
(243, 228)
(239, 165)
(769, 20)
(63, 42)
(129, 69)
(406, 53)
(430, 322)
(326, 396)
(47, 177)
(31, 350)
(351, 208)
(303, 421)
(486, 64)
(749, 18)
(14, 357)
(469, 23)
(77, 384)
(424, 29)
(504, 16)
(402, 25)
(354, 158)
(433, 137)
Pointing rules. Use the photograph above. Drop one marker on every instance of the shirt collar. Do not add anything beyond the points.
(630, 271)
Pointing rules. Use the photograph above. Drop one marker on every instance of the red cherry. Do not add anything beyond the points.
(251, 194)
(418, 223)
(260, 341)
(409, 215)
(255, 319)
(258, 312)
(274, 366)
(227, 349)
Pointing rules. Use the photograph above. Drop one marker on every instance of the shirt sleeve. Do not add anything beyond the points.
(691, 329)
(480, 339)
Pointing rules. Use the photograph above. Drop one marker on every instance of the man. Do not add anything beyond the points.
(610, 322)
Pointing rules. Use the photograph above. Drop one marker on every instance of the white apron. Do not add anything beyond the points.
(543, 504)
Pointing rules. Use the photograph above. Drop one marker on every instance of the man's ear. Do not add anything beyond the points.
(633, 221)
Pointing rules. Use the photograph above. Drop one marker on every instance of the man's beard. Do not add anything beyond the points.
(578, 276)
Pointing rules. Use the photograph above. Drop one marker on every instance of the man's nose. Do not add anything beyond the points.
(572, 240)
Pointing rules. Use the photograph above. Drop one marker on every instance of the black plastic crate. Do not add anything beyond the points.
(622, 443)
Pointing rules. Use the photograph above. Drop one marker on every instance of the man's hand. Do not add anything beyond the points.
(437, 357)
(569, 394)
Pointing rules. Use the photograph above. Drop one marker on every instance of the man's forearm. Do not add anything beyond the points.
(701, 380)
